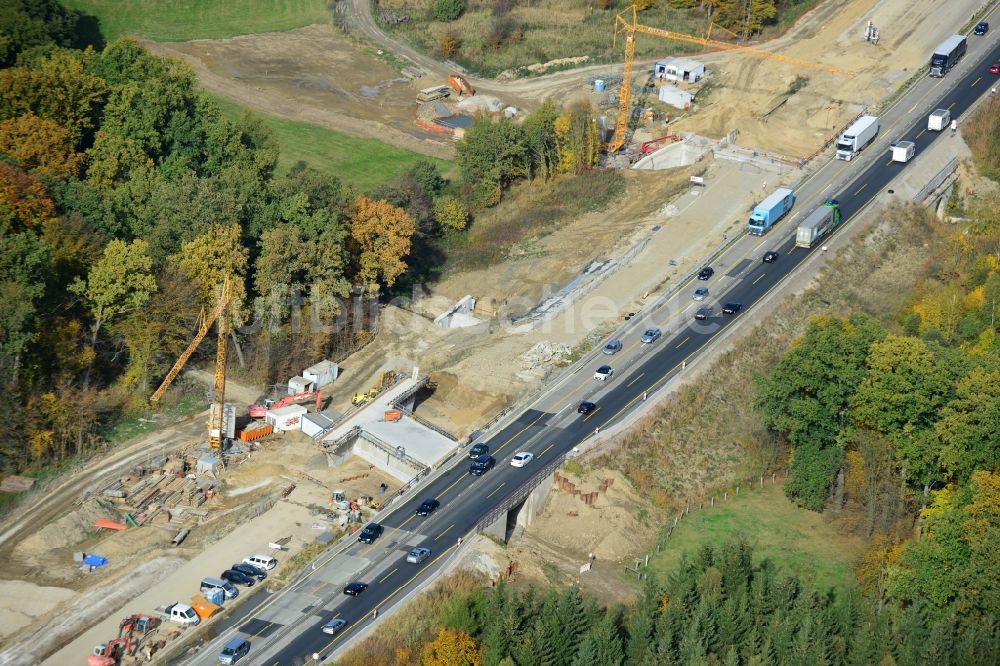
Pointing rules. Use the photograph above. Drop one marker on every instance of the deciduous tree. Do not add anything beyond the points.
(380, 239)
(451, 648)
(119, 282)
(40, 145)
(450, 213)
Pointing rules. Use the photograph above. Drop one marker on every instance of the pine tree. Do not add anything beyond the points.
(640, 636)
(911, 636)
(572, 624)
(548, 632)
(940, 648)
(607, 642)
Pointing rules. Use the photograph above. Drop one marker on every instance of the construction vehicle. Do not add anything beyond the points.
(138, 624)
(385, 380)
(629, 25)
(110, 653)
(653, 145)
(461, 85)
(218, 314)
(258, 411)
(432, 93)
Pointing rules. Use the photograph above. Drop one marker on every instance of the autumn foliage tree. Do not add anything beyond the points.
(381, 236)
(451, 647)
(40, 145)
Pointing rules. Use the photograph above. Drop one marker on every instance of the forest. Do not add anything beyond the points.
(126, 197)
(722, 606)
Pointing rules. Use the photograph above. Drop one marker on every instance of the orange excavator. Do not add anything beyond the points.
(110, 653)
(653, 145)
(258, 411)
(461, 85)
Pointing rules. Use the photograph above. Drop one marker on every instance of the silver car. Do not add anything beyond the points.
(700, 294)
(334, 625)
(418, 555)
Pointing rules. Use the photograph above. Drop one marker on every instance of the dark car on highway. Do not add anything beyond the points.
(703, 313)
(981, 28)
(427, 507)
(731, 308)
(770, 257)
(354, 589)
(249, 570)
(706, 273)
(478, 450)
(481, 465)
(237, 578)
(371, 532)
(586, 407)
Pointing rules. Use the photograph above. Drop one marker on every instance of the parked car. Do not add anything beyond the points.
(770, 257)
(355, 588)
(418, 555)
(234, 650)
(261, 561)
(479, 450)
(586, 407)
(371, 532)
(613, 347)
(250, 570)
(334, 625)
(703, 313)
(237, 577)
(427, 507)
(706, 273)
(481, 465)
(700, 294)
(521, 459)
(981, 28)
(604, 373)
(651, 335)
(731, 308)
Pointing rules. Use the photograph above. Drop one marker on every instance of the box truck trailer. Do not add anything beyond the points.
(938, 120)
(856, 137)
(820, 222)
(947, 55)
(770, 210)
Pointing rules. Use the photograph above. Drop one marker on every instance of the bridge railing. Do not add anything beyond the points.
(518, 495)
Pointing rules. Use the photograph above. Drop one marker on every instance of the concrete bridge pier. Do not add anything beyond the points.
(519, 514)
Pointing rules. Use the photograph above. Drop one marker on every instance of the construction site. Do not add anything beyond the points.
(316, 456)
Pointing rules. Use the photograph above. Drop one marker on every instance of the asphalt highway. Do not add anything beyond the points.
(552, 426)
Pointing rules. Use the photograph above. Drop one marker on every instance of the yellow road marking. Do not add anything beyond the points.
(495, 491)
(546, 449)
(758, 278)
(386, 577)
(681, 343)
(921, 133)
(636, 379)
(445, 531)
(951, 105)
(500, 448)
(263, 629)
(587, 417)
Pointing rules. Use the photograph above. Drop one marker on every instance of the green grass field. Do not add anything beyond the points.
(362, 163)
(798, 541)
(181, 20)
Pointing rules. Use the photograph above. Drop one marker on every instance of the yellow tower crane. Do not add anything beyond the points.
(623, 24)
(221, 315)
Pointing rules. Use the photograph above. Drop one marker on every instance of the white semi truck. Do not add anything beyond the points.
(856, 137)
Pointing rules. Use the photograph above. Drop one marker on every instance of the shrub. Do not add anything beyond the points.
(451, 213)
(449, 43)
(448, 10)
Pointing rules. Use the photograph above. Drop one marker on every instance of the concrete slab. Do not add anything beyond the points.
(386, 439)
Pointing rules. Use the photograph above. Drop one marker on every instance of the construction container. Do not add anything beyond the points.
(322, 373)
(209, 603)
(393, 415)
(285, 418)
(297, 385)
(256, 433)
(315, 424)
(676, 97)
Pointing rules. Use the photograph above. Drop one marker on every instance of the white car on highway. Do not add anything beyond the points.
(604, 373)
(521, 459)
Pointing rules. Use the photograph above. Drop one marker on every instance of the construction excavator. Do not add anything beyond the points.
(259, 410)
(110, 653)
(461, 85)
